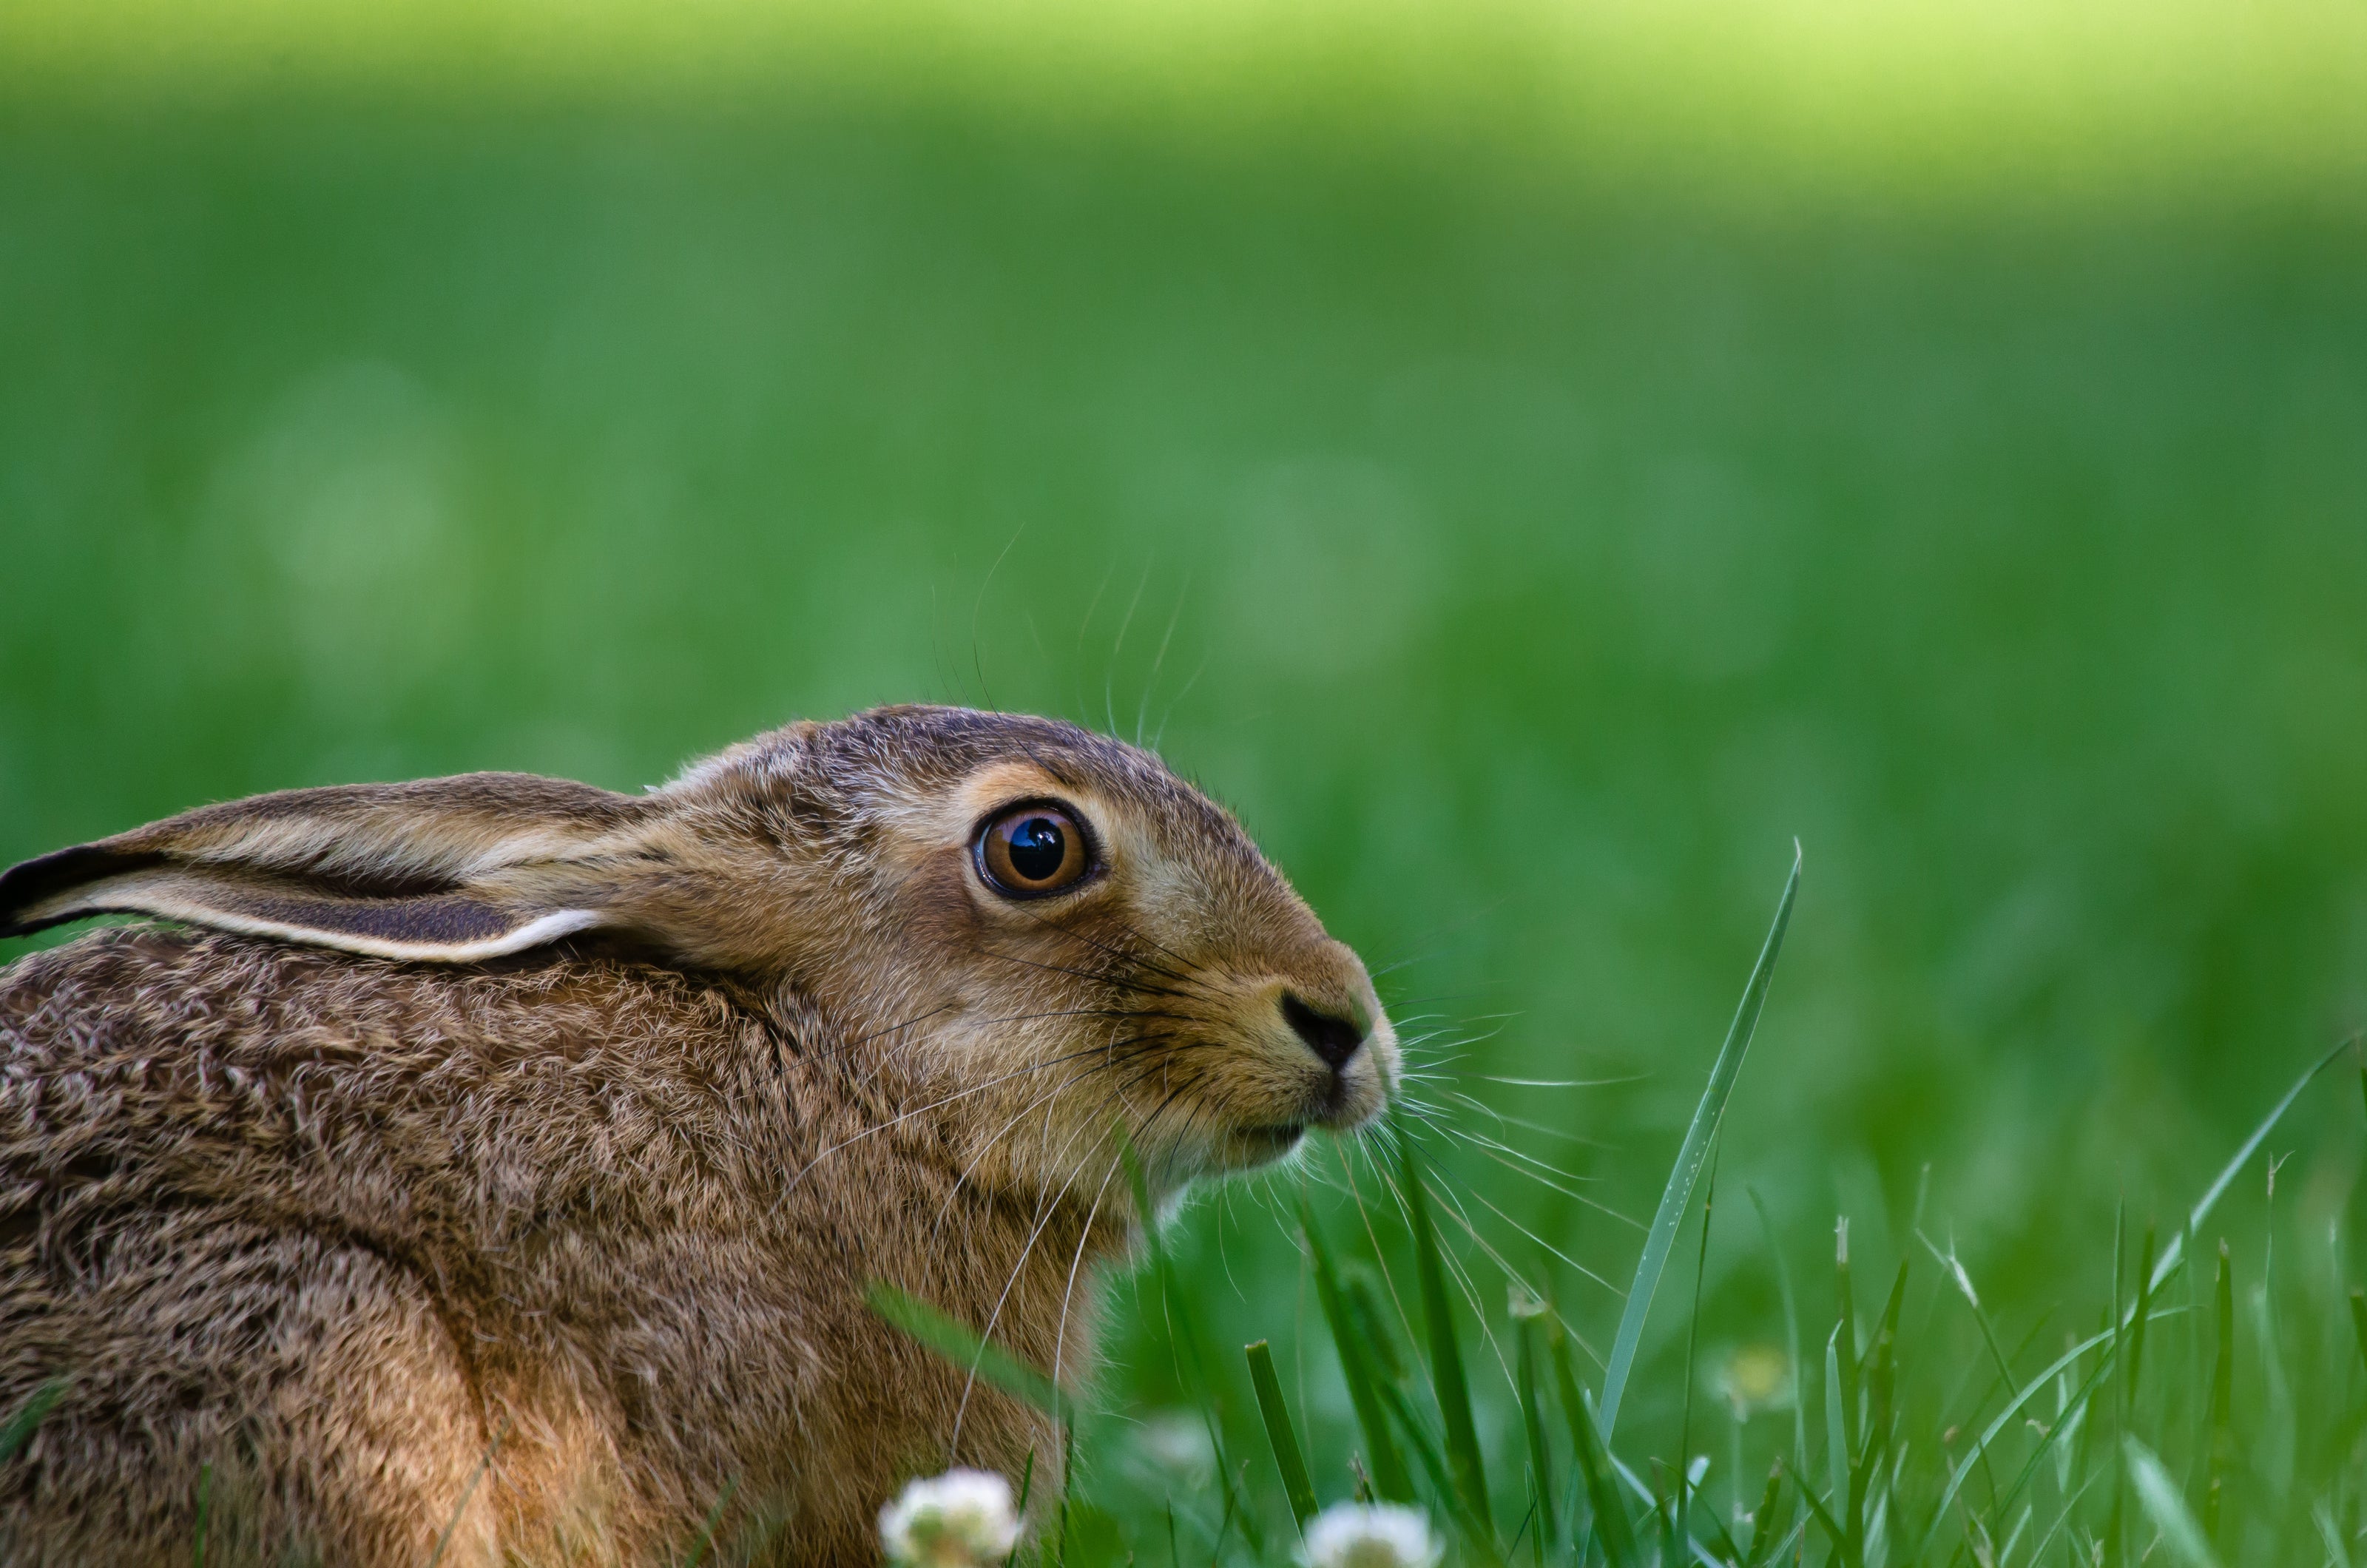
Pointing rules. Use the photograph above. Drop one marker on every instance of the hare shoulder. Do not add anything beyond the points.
(378, 1220)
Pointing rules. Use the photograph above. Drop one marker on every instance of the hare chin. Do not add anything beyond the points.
(1247, 1148)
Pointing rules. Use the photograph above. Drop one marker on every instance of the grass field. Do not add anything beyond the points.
(1531, 520)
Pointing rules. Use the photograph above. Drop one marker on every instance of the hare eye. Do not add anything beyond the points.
(1030, 850)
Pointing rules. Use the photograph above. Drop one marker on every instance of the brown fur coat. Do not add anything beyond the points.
(368, 1230)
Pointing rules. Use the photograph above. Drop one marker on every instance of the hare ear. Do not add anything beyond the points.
(444, 870)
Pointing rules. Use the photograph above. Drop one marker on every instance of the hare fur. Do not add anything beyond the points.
(509, 1158)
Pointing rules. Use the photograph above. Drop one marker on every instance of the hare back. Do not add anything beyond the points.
(448, 1106)
(244, 1186)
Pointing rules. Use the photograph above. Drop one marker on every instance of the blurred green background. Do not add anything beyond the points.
(1532, 465)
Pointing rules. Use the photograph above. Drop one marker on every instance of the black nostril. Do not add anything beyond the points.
(1333, 1039)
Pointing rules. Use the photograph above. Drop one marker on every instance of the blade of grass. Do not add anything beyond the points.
(1833, 1529)
(1887, 1326)
(2115, 1512)
(1391, 1481)
(2337, 1550)
(1372, 1325)
(1028, 1484)
(1682, 1519)
(1664, 1516)
(1512, 1546)
(714, 1517)
(2159, 1496)
(444, 1542)
(1836, 1436)
(1446, 1376)
(1067, 1485)
(1996, 1426)
(2223, 1395)
(1280, 1433)
(1764, 1523)
(1722, 1548)
(1390, 1389)
(1612, 1530)
(2358, 1327)
(957, 1343)
(2172, 1256)
(1791, 1334)
(1791, 1538)
(2062, 1521)
(1964, 1283)
(1845, 1335)
(1195, 1366)
(1532, 1420)
(2054, 1434)
(1425, 1452)
(2145, 1308)
(1874, 1443)
(28, 1417)
(2175, 1253)
(1691, 1156)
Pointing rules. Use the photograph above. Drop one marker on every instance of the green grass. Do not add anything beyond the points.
(1944, 1448)
(1529, 534)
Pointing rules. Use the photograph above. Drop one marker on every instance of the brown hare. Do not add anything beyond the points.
(503, 1156)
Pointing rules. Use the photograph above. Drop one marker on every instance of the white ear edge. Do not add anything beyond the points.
(534, 933)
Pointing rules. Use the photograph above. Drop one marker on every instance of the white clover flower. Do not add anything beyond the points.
(960, 1520)
(1174, 1446)
(1752, 1377)
(1371, 1535)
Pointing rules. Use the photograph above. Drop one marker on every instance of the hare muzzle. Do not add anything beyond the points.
(1315, 1051)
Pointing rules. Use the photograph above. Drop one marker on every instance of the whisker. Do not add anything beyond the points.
(1044, 1213)
(1494, 1150)
(1060, 1335)
(1109, 671)
(1158, 662)
(1508, 1120)
(1462, 1277)
(1176, 700)
(962, 1177)
(1597, 1204)
(1380, 1259)
(1514, 1276)
(1083, 626)
(1481, 1198)
(1078, 974)
(934, 1104)
(1159, 947)
(1561, 1083)
(1073, 934)
(892, 1029)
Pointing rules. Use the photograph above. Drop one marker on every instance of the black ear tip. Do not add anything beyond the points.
(36, 881)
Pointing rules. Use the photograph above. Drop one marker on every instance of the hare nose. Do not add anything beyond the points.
(1334, 1038)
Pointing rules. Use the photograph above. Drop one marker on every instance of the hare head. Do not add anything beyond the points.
(1032, 942)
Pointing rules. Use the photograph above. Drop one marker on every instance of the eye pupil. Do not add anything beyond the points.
(1038, 849)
